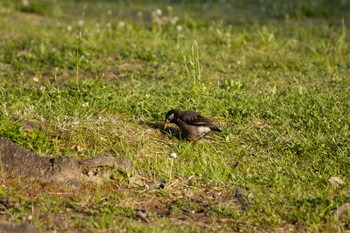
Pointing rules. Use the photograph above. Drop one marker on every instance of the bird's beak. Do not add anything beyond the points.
(166, 125)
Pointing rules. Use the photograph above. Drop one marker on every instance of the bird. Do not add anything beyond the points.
(192, 124)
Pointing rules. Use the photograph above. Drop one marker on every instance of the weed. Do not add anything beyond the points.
(79, 78)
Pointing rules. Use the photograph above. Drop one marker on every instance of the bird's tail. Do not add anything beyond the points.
(216, 128)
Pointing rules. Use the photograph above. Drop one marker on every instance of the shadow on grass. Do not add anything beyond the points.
(174, 132)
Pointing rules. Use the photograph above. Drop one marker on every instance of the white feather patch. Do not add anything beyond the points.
(203, 130)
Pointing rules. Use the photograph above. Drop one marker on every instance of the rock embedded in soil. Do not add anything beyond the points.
(342, 211)
(8, 227)
(18, 162)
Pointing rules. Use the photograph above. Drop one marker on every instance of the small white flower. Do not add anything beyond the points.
(85, 104)
(81, 23)
(42, 88)
(35, 79)
(169, 8)
(173, 155)
(25, 2)
(179, 28)
(108, 25)
(69, 28)
(158, 12)
(139, 14)
(109, 12)
(174, 20)
(121, 24)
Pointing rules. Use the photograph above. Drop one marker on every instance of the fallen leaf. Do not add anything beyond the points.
(157, 184)
(335, 181)
(142, 214)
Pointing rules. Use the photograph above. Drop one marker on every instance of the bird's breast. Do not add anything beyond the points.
(203, 130)
(192, 131)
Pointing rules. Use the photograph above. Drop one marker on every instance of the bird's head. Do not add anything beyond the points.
(170, 117)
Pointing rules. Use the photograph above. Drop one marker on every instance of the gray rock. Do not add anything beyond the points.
(342, 211)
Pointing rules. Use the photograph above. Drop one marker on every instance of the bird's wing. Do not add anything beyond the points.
(194, 118)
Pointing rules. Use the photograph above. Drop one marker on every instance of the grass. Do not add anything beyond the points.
(92, 75)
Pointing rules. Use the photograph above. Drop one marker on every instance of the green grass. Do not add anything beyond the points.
(275, 76)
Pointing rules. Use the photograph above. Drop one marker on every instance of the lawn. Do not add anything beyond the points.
(93, 77)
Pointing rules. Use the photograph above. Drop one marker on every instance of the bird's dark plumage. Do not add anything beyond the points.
(192, 124)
